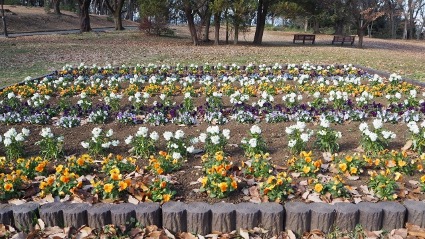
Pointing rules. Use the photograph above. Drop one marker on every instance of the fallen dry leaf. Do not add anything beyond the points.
(407, 146)
(244, 233)
(291, 235)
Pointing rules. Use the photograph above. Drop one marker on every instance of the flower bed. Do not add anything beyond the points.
(253, 133)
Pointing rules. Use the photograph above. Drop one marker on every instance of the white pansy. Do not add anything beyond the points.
(304, 137)
(213, 129)
(129, 139)
(292, 143)
(255, 129)
(190, 149)
(46, 133)
(154, 136)
(179, 134)
(115, 143)
(373, 137)
(109, 133)
(167, 135)
(176, 155)
(253, 142)
(338, 134)
(215, 139)
(26, 132)
(19, 137)
(324, 123)
(175, 146)
(321, 132)
(377, 123)
(413, 127)
(226, 133)
(202, 137)
(143, 131)
(363, 126)
(85, 145)
(106, 145)
(96, 132)
(289, 130)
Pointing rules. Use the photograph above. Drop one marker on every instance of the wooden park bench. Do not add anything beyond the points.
(304, 37)
(343, 39)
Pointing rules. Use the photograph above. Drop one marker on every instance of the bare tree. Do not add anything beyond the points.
(116, 9)
(84, 6)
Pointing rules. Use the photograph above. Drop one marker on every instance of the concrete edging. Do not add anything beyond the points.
(202, 218)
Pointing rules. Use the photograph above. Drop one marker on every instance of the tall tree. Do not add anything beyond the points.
(154, 15)
(56, 7)
(363, 13)
(84, 6)
(217, 8)
(116, 8)
(188, 8)
(241, 11)
(262, 10)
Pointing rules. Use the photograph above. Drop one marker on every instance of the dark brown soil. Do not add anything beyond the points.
(273, 133)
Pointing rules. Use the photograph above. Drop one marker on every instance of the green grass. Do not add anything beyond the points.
(37, 56)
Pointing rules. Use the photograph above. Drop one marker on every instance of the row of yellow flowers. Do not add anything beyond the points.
(113, 181)
(227, 88)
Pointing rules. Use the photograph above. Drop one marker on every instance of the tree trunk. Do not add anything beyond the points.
(236, 29)
(116, 10)
(316, 27)
(339, 28)
(191, 22)
(227, 28)
(84, 15)
(305, 24)
(217, 28)
(405, 27)
(118, 21)
(262, 10)
(360, 33)
(207, 27)
(56, 7)
(411, 29)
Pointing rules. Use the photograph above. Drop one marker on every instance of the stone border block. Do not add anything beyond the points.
(25, 216)
(272, 217)
(415, 212)
(223, 217)
(322, 216)
(247, 215)
(198, 218)
(370, 216)
(394, 215)
(6, 214)
(52, 214)
(99, 215)
(174, 216)
(297, 217)
(148, 214)
(75, 214)
(123, 214)
(346, 216)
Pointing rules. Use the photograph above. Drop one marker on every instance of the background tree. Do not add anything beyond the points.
(84, 7)
(154, 15)
(116, 9)
(363, 13)
(217, 8)
(241, 11)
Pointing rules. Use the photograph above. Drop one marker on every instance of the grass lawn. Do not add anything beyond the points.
(39, 55)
